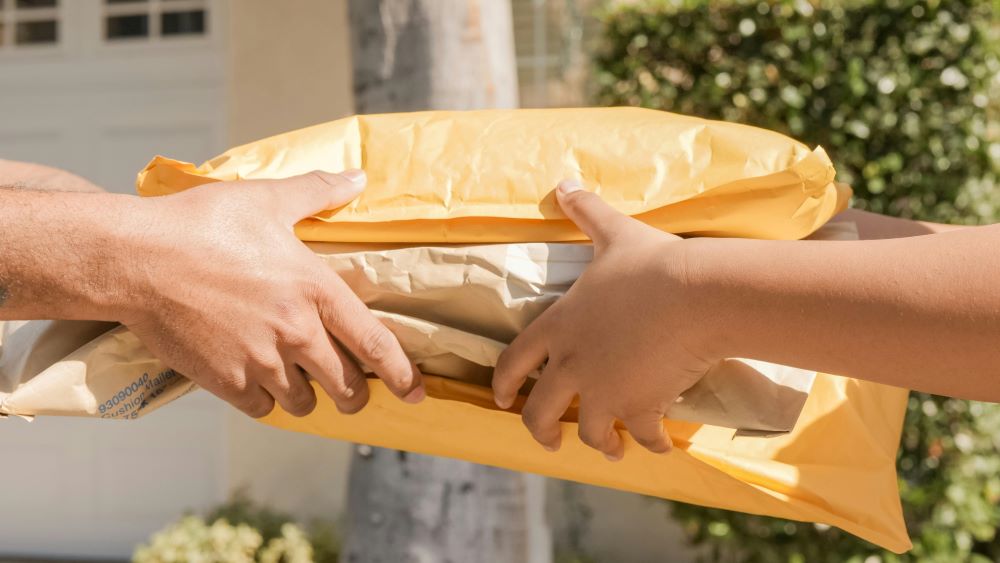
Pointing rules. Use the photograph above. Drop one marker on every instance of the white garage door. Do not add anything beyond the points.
(98, 87)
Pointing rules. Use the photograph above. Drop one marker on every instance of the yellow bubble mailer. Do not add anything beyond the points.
(488, 176)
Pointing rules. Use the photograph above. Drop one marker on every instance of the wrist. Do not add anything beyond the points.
(120, 289)
(714, 325)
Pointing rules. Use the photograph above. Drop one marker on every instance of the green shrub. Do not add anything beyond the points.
(898, 92)
(903, 95)
(241, 532)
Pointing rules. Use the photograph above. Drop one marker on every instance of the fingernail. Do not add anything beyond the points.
(611, 457)
(570, 185)
(550, 448)
(356, 176)
(503, 403)
(416, 395)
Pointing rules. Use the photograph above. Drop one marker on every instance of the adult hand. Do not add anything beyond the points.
(224, 293)
(619, 339)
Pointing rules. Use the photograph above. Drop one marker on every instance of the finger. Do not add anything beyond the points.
(375, 346)
(547, 403)
(337, 373)
(307, 194)
(592, 215)
(647, 429)
(288, 385)
(254, 401)
(524, 355)
(235, 389)
(597, 430)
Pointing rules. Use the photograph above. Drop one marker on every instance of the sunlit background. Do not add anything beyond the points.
(902, 94)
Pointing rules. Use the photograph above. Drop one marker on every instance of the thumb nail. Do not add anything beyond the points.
(356, 176)
(569, 186)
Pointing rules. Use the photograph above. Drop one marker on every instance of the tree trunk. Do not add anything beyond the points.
(413, 55)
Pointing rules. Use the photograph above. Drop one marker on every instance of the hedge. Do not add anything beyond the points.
(903, 95)
(898, 92)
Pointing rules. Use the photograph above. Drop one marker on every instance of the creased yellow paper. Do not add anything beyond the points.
(487, 176)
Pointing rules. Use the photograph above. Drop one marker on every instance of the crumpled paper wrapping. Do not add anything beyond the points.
(453, 309)
(487, 176)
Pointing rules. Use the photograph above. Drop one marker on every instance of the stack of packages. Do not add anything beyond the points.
(457, 244)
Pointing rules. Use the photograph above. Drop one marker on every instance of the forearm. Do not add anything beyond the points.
(920, 312)
(64, 255)
(25, 175)
(872, 226)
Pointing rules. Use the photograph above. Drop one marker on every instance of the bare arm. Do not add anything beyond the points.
(921, 312)
(872, 226)
(26, 175)
(213, 281)
(653, 313)
(62, 253)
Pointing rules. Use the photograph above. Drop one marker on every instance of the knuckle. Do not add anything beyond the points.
(266, 366)
(542, 430)
(594, 437)
(503, 364)
(292, 328)
(532, 419)
(577, 199)
(567, 362)
(589, 439)
(294, 334)
(376, 345)
(320, 179)
(332, 371)
(300, 404)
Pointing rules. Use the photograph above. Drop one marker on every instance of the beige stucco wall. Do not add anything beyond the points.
(289, 66)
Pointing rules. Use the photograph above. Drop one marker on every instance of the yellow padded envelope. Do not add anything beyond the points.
(487, 176)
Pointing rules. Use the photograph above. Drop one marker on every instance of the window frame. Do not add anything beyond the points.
(11, 16)
(154, 9)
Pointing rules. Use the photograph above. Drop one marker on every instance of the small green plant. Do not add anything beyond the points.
(241, 532)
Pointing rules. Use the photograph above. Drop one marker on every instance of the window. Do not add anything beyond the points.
(551, 40)
(152, 20)
(25, 23)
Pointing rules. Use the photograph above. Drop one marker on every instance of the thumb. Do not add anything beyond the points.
(300, 196)
(589, 212)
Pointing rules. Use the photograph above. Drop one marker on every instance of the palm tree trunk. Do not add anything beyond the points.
(437, 54)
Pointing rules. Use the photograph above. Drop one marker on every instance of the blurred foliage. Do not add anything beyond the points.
(898, 92)
(903, 94)
(241, 532)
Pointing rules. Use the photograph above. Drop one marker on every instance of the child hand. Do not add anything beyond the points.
(622, 338)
